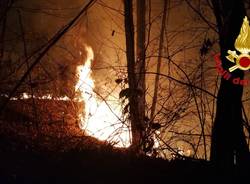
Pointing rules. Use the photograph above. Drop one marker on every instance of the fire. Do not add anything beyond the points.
(100, 118)
(26, 96)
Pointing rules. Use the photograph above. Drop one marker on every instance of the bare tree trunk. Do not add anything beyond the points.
(229, 147)
(158, 70)
(140, 64)
(2, 34)
(130, 53)
(4, 7)
(136, 71)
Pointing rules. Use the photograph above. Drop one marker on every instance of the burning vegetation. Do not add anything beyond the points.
(131, 85)
(101, 118)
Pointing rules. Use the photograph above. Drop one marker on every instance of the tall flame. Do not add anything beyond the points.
(100, 118)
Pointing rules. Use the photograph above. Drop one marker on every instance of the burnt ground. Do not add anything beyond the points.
(100, 164)
(62, 154)
(103, 165)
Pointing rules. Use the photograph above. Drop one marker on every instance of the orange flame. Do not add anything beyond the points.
(101, 119)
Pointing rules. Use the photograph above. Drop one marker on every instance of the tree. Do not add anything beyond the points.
(4, 7)
(140, 63)
(229, 146)
(161, 44)
(136, 70)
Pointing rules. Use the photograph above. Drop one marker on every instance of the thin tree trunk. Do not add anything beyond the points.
(130, 54)
(2, 34)
(229, 147)
(4, 7)
(158, 70)
(140, 64)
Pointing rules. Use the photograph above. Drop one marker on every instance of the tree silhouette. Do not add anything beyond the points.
(136, 71)
(229, 147)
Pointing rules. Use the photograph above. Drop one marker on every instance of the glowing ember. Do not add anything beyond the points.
(101, 119)
(26, 96)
